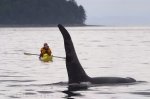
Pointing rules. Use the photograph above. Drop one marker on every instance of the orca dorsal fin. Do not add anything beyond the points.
(76, 73)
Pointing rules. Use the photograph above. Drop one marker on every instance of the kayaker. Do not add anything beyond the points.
(45, 50)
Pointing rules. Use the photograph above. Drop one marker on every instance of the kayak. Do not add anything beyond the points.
(46, 58)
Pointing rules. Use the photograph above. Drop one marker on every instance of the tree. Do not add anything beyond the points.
(41, 12)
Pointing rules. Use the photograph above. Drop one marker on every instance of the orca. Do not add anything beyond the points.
(76, 73)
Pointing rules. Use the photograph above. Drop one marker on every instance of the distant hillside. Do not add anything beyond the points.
(41, 12)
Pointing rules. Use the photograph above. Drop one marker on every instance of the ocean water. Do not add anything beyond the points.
(102, 51)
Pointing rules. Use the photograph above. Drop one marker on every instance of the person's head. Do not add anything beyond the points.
(46, 45)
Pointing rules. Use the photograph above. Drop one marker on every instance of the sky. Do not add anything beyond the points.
(117, 12)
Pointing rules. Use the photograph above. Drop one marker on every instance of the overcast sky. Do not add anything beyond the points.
(117, 12)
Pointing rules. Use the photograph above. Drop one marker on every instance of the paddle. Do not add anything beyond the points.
(39, 55)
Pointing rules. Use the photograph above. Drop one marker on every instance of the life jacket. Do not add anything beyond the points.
(45, 51)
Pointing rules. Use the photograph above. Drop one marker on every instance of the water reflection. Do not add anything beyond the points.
(147, 94)
(73, 90)
(70, 94)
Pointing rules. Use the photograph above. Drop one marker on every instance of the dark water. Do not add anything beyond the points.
(103, 51)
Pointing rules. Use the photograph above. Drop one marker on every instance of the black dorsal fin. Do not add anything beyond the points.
(76, 73)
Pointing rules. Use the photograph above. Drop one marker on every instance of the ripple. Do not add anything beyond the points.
(105, 67)
(3, 90)
(101, 46)
(133, 45)
(95, 41)
(85, 59)
(59, 83)
(104, 93)
(13, 97)
(2, 94)
(17, 80)
(128, 40)
(142, 93)
(11, 76)
(145, 63)
(145, 41)
(30, 93)
(10, 53)
(45, 92)
(37, 85)
(29, 90)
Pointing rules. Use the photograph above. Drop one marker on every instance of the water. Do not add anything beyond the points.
(102, 51)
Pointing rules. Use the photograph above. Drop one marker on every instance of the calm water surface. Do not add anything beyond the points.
(103, 51)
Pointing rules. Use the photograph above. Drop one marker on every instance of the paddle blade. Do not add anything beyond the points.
(31, 54)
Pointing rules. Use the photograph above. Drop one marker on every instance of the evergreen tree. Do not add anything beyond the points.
(41, 12)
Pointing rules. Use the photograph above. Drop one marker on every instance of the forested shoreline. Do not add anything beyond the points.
(41, 13)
